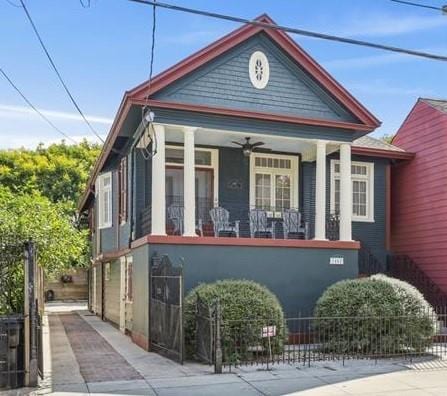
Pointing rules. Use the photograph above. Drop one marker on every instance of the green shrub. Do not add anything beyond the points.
(246, 307)
(372, 316)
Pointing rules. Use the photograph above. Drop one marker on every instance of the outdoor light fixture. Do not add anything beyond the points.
(247, 147)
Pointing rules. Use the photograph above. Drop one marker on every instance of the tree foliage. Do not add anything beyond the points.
(58, 172)
(60, 244)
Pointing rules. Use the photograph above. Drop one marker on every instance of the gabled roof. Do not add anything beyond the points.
(438, 104)
(138, 95)
(284, 41)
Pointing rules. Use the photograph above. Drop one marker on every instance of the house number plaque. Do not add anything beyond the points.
(336, 260)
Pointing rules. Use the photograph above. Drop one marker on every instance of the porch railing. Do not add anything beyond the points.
(238, 213)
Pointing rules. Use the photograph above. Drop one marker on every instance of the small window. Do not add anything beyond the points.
(362, 174)
(123, 190)
(104, 199)
(259, 70)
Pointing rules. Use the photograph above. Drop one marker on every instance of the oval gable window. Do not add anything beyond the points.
(259, 70)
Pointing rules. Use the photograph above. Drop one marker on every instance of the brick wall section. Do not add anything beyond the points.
(419, 192)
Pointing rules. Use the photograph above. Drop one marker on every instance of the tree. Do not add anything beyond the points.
(58, 172)
(60, 244)
(387, 138)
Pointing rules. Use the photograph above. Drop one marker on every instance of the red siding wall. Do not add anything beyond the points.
(419, 192)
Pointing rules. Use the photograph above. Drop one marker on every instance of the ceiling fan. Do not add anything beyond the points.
(247, 147)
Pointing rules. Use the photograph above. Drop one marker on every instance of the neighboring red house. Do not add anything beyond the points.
(419, 198)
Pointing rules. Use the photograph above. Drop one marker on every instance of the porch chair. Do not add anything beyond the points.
(292, 223)
(176, 215)
(259, 223)
(221, 222)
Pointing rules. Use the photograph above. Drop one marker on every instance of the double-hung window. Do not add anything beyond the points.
(104, 197)
(273, 182)
(362, 174)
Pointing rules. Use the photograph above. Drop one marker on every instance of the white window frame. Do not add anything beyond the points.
(100, 190)
(214, 166)
(369, 218)
(292, 172)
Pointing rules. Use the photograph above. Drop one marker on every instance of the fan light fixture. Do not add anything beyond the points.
(247, 147)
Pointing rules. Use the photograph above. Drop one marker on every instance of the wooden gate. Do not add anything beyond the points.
(166, 308)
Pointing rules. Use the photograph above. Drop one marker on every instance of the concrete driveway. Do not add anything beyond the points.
(85, 355)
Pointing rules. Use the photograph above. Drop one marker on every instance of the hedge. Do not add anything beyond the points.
(246, 307)
(372, 316)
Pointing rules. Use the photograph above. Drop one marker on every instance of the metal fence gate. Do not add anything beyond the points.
(166, 308)
(21, 355)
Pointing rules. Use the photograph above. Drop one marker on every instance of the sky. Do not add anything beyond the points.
(104, 50)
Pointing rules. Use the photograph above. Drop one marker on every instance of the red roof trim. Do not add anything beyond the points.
(239, 35)
(372, 152)
(253, 114)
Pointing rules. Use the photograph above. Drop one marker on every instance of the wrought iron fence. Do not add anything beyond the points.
(12, 365)
(166, 308)
(307, 339)
(20, 332)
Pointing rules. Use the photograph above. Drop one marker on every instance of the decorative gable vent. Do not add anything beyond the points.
(259, 70)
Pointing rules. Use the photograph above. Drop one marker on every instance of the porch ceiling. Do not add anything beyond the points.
(224, 138)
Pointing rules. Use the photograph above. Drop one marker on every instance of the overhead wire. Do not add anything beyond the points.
(411, 3)
(30, 104)
(61, 80)
(301, 32)
(146, 113)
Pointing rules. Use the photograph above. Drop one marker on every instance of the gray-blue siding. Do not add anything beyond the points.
(225, 82)
(373, 235)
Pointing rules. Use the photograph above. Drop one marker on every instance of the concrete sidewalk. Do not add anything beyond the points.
(66, 363)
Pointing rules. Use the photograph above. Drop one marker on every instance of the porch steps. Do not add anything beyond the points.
(404, 268)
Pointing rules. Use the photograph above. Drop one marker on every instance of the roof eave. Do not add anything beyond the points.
(373, 152)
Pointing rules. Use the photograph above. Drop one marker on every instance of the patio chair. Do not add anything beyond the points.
(292, 224)
(259, 224)
(221, 222)
(176, 215)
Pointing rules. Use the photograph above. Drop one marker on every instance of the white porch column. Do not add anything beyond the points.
(189, 184)
(320, 192)
(345, 193)
(159, 184)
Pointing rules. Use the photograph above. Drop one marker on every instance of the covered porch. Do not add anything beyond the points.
(203, 185)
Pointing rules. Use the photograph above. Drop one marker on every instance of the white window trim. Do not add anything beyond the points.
(99, 192)
(369, 218)
(214, 166)
(293, 172)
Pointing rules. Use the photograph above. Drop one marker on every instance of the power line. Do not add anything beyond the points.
(301, 32)
(7, 78)
(57, 72)
(410, 3)
(10, 2)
